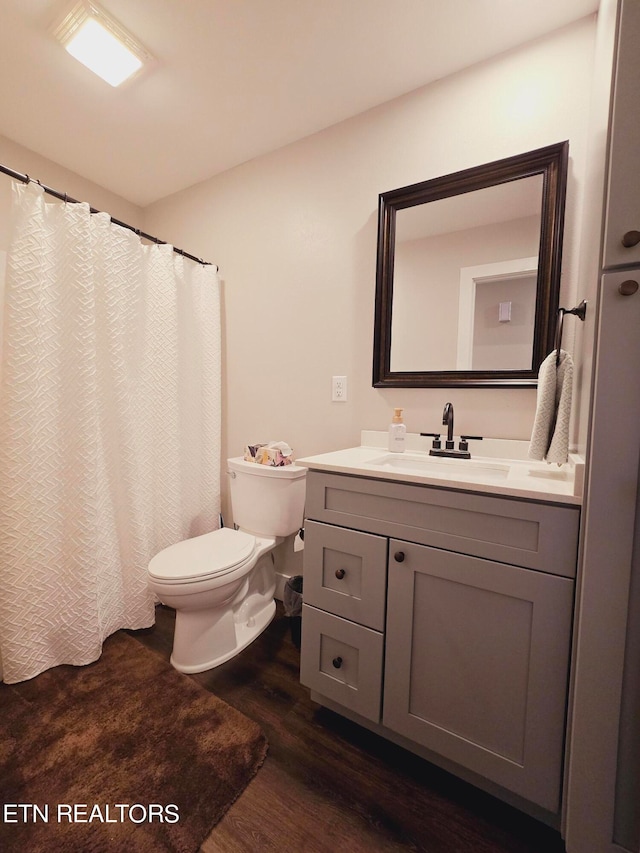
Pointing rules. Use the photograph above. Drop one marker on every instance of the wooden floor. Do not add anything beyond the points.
(328, 785)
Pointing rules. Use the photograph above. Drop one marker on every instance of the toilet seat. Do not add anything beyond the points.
(203, 557)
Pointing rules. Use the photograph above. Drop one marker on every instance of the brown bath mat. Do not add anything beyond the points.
(125, 754)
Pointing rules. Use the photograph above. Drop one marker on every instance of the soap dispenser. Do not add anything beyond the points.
(397, 432)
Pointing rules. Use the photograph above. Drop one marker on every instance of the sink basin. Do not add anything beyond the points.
(441, 466)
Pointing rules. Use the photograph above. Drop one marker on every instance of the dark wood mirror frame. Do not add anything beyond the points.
(552, 163)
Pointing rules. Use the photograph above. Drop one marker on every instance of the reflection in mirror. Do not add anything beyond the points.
(497, 315)
(468, 274)
(435, 243)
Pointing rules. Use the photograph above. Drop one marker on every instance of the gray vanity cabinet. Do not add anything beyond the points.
(442, 620)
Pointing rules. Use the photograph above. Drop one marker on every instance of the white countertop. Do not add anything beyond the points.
(512, 476)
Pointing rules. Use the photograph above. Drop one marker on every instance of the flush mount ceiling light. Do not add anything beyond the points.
(94, 38)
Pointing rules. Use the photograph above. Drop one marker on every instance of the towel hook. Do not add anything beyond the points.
(580, 311)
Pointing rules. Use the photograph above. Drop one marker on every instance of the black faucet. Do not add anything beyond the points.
(447, 420)
(463, 448)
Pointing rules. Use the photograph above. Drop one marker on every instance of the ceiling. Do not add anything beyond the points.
(234, 79)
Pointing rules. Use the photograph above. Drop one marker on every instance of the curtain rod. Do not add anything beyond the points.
(64, 197)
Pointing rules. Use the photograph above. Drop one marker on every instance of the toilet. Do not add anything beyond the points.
(221, 584)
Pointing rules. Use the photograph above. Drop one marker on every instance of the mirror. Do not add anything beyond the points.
(468, 274)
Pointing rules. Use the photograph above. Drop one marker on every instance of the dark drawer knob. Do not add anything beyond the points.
(340, 573)
(399, 556)
(628, 287)
(630, 239)
(337, 662)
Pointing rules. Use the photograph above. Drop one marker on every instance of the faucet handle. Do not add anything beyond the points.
(436, 444)
(464, 439)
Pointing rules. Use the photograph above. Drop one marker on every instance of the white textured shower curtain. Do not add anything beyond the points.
(109, 427)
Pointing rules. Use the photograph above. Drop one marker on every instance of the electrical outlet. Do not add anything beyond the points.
(339, 389)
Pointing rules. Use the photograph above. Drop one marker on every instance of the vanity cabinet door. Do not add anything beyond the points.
(476, 665)
(345, 572)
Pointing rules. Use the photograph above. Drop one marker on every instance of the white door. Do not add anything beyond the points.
(595, 822)
(622, 228)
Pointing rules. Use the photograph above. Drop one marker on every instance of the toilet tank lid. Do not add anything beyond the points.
(286, 472)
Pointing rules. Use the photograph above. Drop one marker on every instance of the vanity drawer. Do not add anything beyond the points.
(342, 661)
(345, 572)
(523, 533)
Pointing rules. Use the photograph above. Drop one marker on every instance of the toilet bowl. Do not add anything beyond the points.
(221, 584)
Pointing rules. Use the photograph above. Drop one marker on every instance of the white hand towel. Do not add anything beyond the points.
(550, 434)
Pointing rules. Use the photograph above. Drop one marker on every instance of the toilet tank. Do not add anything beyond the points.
(267, 500)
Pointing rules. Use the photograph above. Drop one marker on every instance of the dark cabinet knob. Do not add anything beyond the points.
(340, 573)
(628, 287)
(399, 556)
(630, 239)
(337, 662)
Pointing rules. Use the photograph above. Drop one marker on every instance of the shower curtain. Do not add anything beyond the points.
(109, 427)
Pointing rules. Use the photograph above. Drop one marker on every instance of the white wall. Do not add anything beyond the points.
(294, 233)
(27, 162)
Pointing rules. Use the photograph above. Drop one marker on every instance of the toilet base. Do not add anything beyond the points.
(199, 644)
